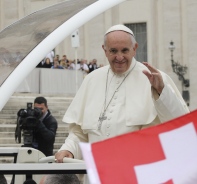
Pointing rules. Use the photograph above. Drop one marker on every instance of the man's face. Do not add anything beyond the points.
(94, 61)
(56, 64)
(42, 107)
(64, 58)
(119, 51)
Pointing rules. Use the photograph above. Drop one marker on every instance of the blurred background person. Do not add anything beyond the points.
(56, 65)
(3, 179)
(50, 55)
(71, 65)
(47, 63)
(93, 65)
(84, 66)
(63, 64)
(64, 58)
(60, 179)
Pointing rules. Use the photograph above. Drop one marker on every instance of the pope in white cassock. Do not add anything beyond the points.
(122, 97)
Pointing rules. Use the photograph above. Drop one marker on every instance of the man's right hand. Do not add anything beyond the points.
(61, 154)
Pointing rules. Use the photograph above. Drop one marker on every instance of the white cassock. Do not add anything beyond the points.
(134, 106)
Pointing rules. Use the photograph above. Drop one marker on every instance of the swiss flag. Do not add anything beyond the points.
(163, 154)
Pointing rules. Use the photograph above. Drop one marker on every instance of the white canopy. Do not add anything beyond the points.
(26, 42)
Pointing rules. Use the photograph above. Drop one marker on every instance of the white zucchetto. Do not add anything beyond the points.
(119, 27)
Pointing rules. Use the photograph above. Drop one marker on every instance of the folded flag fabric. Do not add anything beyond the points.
(163, 154)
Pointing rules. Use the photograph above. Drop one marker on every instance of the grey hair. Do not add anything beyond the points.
(61, 179)
(133, 41)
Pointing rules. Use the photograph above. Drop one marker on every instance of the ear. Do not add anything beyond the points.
(104, 49)
(135, 47)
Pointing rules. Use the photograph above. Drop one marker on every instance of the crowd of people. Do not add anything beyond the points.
(54, 62)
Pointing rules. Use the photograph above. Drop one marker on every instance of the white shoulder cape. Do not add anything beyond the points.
(88, 102)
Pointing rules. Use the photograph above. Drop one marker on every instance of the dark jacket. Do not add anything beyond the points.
(92, 67)
(45, 134)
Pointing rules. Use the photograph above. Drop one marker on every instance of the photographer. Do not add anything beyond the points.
(46, 129)
(37, 125)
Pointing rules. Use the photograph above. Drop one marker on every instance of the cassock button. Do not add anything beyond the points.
(108, 134)
(109, 118)
(108, 126)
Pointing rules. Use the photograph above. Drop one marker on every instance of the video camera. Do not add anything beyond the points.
(27, 121)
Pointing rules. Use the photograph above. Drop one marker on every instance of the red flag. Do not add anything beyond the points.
(163, 154)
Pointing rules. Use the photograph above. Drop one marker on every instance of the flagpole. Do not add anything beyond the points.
(75, 44)
(76, 78)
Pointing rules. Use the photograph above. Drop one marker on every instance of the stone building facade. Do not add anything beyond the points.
(164, 20)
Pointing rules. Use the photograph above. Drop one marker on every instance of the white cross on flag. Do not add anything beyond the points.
(163, 154)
